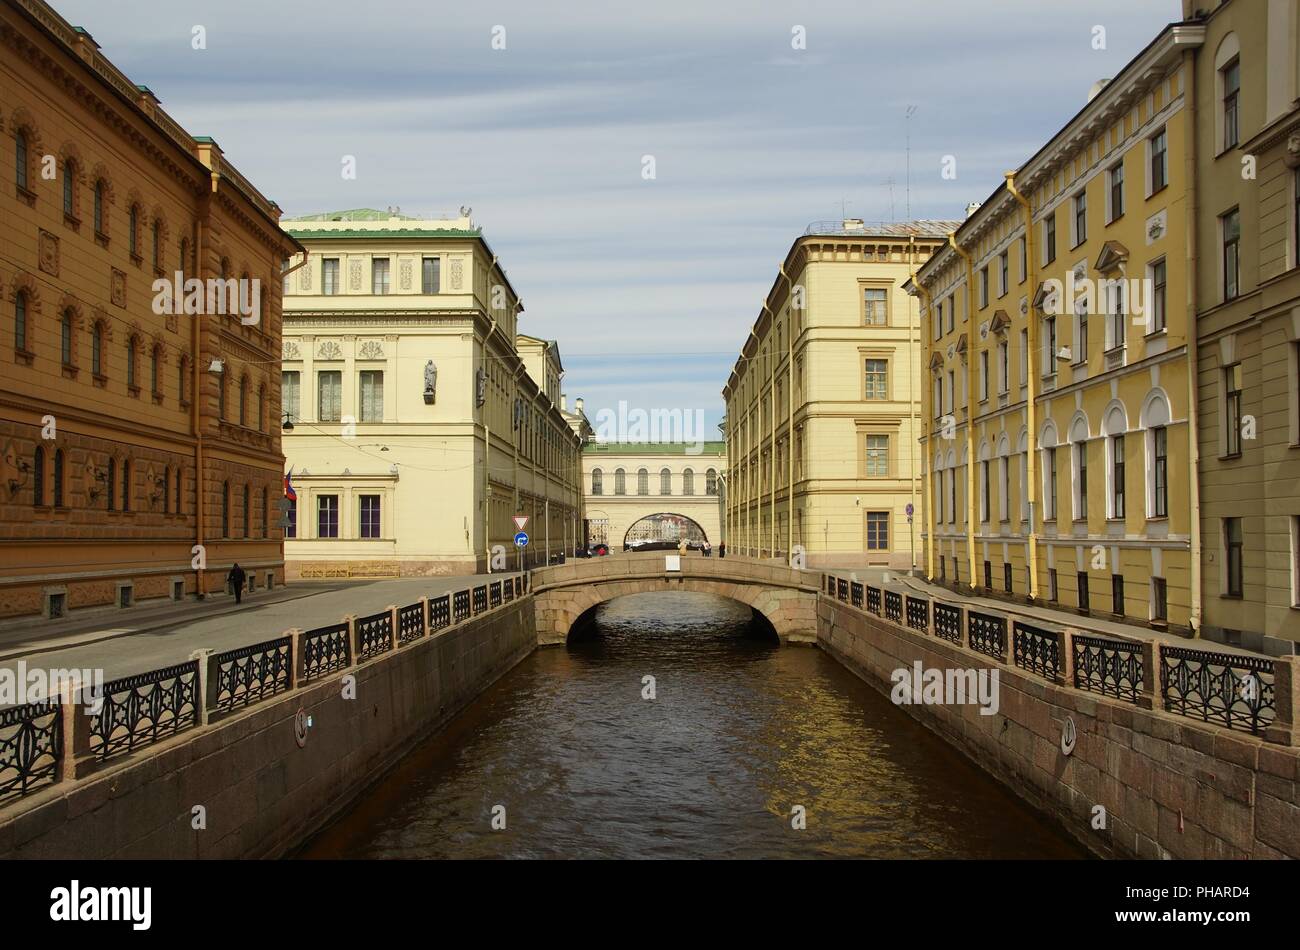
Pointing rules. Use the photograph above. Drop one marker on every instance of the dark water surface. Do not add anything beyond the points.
(740, 731)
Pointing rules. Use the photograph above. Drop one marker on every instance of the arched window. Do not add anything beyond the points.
(266, 519)
(597, 482)
(134, 239)
(69, 189)
(243, 400)
(620, 482)
(132, 347)
(221, 395)
(688, 482)
(58, 478)
(167, 489)
(1079, 436)
(20, 321)
(642, 481)
(126, 484)
(155, 381)
(111, 484)
(38, 477)
(665, 482)
(182, 380)
(261, 408)
(97, 349)
(711, 482)
(185, 257)
(225, 509)
(1155, 420)
(179, 472)
(65, 337)
(248, 515)
(21, 160)
(157, 244)
(99, 206)
(1115, 425)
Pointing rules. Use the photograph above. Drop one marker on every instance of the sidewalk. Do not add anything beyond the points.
(139, 639)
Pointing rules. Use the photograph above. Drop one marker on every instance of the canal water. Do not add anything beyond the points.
(569, 753)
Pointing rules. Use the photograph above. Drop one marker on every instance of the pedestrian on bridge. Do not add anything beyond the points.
(236, 579)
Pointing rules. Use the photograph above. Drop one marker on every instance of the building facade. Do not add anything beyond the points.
(822, 405)
(423, 421)
(654, 491)
(129, 467)
(1247, 290)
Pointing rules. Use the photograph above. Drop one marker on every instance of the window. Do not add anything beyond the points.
(620, 482)
(1231, 225)
(1024, 260)
(1024, 357)
(688, 482)
(327, 516)
(984, 490)
(58, 478)
(1049, 238)
(99, 207)
(665, 482)
(65, 335)
(711, 482)
(1049, 513)
(1118, 316)
(597, 482)
(1004, 273)
(643, 481)
(1081, 313)
(1231, 78)
(936, 398)
(430, 275)
(988, 575)
(133, 239)
(266, 514)
(1117, 594)
(38, 477)
(874, 306)
(20, 160)
(1006, 577)
(984, 286)
(329, 276)
(1080, 218)
(1082, 581)
(1232, 555)
(1158, 145)
(20, 321)
(877, 531)
(952, 496)
(1159, 599)
(379, 275)
(1004, 367)
(984, 375)
(243, 401)
(157, 244)
(290, 396)
(225, 509)
(1232, 409)
(131, 346)
(1081, 480)
(155, 383)
(1295, 217)
(370, 516)
(126, 484)
(877, 456)
(1160, 470)
(329, 395)
(291, 515)
(1117, 476)
(1049, 345)
(372, 395)
(69, 189)
(178, 490)
(110, 484)
(1156, 315)
(1117, 192)
(248, 514)
(877, 379)
(97, 349)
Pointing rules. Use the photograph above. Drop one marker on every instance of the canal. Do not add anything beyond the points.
(569, 752)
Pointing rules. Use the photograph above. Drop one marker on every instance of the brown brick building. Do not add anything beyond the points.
(129, 468)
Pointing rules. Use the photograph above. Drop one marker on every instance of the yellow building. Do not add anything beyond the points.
(1058, 408)
(130, 468)
(654, 491)
(1247, 200)
(822, 404)
(423, 421)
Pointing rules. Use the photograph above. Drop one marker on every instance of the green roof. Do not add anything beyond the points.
(353, 214)
(653, 448)
(322, 234)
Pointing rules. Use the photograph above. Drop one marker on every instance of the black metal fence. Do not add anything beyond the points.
(494, 594)
(440, 612)
(987, 634)
(855, 593)
(250, 674)
(894, 606)
(374, 635)
(918, 613)
(325, 650)
(947, 622)
(1229, 689)
(841, 588)
(1110, 667)
(460, 606)
(139, 710)
(873, 600)
(1036, 649)
(410, 623)
(31, 741)
(480, 599)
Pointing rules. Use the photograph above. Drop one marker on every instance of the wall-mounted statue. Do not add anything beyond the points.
(430, 383)
(480, 387)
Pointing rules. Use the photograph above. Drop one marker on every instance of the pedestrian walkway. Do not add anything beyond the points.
(147, 637)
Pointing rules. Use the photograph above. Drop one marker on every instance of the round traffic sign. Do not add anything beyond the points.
(521, 540)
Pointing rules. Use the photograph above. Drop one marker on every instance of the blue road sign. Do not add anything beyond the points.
(521, 540)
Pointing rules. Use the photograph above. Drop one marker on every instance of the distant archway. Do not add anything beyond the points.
(663, 527)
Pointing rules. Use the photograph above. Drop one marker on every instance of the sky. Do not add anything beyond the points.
(649, 285)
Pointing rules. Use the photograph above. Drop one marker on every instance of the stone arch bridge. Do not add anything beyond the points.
(568, 593)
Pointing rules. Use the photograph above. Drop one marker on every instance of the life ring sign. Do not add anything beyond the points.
(1068, 735)
(301, 723)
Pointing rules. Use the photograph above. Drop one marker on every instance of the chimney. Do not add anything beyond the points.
(972, 208)
(577, 405)
(564, 402)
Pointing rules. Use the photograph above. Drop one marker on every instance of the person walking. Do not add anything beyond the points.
(236, 579)
(722, 550)
(708, 549)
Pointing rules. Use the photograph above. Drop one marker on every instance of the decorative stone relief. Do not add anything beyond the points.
(1157, 224)
(405, 271)
(457, 273)
(329, 350)
(291, 351)
(49, 253)
(354, 275)
(304, 277)
(1292, 158)
(371, 350)
(117, 288)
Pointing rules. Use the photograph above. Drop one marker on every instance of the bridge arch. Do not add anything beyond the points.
(662, 526)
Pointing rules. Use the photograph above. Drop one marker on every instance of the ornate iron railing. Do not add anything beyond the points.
(873, 600)
(855, 593)
(508, 589)
(988, 634)
(31, 741)
(1230, 689)
(139, 710)
(250, 674)
(1109, 667)
(325, 650)
(894, 606)
(830, 583)
(374, 635)
(1036, 649)
(440, 612)
(410, 622)
(841, 589)
(480, 599)
(918, 613)
(460, 605)
(494, 594)
(947, 622)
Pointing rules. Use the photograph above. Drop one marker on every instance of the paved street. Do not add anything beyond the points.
(145, 638)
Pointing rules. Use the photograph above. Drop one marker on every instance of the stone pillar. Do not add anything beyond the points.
(1065, 652)
(296, 670)
(1149, 697)
(75, 760)
(395, 639)
(353, 644)
(424, 615)
(1285, 727)
(205, 688)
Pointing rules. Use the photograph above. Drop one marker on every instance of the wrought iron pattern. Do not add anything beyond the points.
(139, 710)
(947, 622)
(460, 605)
(841, 589)
(830, 583)
(1109, 667)
(410, 622)
(494, 594)
(480, 599)
(873, 600)
(374, 635)
(31, 741)
(508, 589)
(1233, 690)
(325, 650)
(918, 613)
(855, 593)
(1036, 649)
(250, 674)
(988, 634)
(894, 606)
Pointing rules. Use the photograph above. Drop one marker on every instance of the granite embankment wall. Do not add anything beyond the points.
(1171, 787)
(262, 792)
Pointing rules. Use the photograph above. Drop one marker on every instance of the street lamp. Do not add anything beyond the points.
(286, 424)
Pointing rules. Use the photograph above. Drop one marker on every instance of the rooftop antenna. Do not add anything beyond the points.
(890, 182)
(907, 125)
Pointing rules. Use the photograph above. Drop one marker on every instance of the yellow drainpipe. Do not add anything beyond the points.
(1031, 415)
(927, 475)
(1193, 354)
(971, 461)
